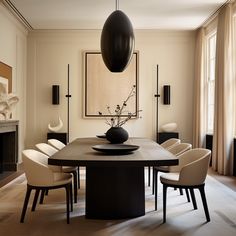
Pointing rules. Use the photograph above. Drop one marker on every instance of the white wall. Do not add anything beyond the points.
(49, 52)
(13, 46)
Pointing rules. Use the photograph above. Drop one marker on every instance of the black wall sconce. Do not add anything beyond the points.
(55, 95)
(166, 93)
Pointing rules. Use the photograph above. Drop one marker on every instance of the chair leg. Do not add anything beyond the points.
(43, 192)
(187, 194)
(180, 191)
(153, 180)
(78, 173)
(155, 187)
(71, 198)
(46, 192)
(75, 185)
(203, 196)
(67, 187)
(35, 199)
(164, 202)
(27, 196)
(149, 175)
(193, 198)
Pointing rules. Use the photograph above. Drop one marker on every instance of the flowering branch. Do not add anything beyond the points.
(117, 120)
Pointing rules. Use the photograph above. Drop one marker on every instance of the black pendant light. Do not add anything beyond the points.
(117, 41)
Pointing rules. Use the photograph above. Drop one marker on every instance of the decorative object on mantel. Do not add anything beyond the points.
(56, 128)
(117, 41)
(169, 127)
(116, 134)
(8, 102)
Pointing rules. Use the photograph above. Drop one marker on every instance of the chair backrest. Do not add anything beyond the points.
(195, 172)
(193, 166)
(56, 143)
(180, 148)
(188, 157)
(36, 168)
(49, 151)
(170, 143)
(46, 149)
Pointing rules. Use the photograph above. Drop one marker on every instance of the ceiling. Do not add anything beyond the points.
(91, 14)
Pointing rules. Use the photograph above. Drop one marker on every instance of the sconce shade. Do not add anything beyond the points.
(55, 95)
(117, 41)
(166, 97)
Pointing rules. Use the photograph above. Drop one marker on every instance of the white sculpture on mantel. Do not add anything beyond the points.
(8, 102)
(169, 127)
(56, 128)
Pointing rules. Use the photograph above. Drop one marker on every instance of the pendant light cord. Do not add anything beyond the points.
(117, 4)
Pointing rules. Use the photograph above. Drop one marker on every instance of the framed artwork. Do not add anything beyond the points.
(5, 78)
(103, 88)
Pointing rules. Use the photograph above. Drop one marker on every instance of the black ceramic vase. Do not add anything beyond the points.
(117, 135)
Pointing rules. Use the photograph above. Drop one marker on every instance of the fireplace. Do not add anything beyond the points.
(8, 145)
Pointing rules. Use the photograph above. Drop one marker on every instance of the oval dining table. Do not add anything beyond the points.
(115, 185)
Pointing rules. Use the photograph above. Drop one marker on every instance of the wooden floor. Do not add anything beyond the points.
(50, 217)
(229, 181)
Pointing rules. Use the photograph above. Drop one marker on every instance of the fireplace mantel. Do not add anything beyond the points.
(8, 145)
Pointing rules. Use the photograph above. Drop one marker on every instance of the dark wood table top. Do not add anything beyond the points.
(80, 153)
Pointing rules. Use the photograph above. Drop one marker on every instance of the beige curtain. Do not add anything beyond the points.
(224, 95)
(198, 107)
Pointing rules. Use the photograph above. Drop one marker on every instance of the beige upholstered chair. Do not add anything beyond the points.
(56, 144)
(49, 151)
(167, 145)
(40, 176)
(170, 143)
(59, 145)
(180, 148)
(189, 174)
(177, 150)
(46, 149)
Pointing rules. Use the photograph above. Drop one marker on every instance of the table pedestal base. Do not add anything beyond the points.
(114, 192)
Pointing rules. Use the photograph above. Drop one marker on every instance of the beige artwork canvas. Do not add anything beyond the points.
(104, 88)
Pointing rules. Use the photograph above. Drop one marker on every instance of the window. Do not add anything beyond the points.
(211, 58)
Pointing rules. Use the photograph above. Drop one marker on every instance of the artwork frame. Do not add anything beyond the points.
(108, 89)
(6, 73)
